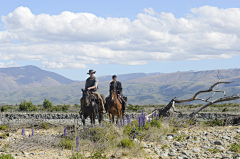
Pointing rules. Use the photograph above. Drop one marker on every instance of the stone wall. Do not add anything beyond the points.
(74, 118)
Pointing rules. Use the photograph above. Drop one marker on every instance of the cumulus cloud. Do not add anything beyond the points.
(75, 40)
(9, 64)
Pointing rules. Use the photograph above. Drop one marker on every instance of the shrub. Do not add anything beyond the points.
(54, 108)
(134, 124)
(45, 126)
(65, 107)
(133, 107)
(3, 127)
(3, 109)
(27, 106)
(126, 143)
(155, 123)
(214, 123)
(235, 147)
(67, 144)
(47, 104)
(76, 106)
(225, 109)
(7, 156)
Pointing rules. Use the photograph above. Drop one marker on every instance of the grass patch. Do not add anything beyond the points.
(67, 144)
(213, 151)
(45, 126)
(3, 127)
(214, 123)
(235, 148)
(164, 146)
(126, 143)
(4, 135)
(180, 138)
(7, 156)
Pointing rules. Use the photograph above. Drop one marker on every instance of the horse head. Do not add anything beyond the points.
(86, 97)
(113, 93)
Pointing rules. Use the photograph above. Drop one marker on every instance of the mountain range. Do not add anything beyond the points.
(33, 83)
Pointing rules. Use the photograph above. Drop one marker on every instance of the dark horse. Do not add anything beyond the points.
(91, 107)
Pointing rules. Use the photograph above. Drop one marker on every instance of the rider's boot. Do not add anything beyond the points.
(104, 111)
(123, 108)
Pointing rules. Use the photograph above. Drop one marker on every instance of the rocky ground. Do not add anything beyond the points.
(211, 142)
(195, 142)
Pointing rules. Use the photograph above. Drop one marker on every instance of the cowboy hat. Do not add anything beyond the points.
(91, 71)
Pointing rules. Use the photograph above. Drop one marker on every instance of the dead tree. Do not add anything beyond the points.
(165, 110)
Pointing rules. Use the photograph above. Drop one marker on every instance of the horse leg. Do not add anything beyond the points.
(100, 117)
(117, 119)
(94, 116)
(83, 119)
(112, 118)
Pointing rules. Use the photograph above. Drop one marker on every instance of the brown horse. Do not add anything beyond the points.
(114, 106)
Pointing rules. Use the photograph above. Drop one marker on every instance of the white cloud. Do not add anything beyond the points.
(9, 64)
(75, 40)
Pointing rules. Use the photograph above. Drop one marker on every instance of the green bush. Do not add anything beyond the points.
(7, 156)
(3, 127)
(225, 109)
(235, 147)
(133, 107)
(65, 107)
(127, 129)
(214, 123)
(126, 143)
(54, 108)
(27, 106)
(45, 126)
(155, 123)
(3, 109)
(76, 106)
(47, 104)
(67, 144)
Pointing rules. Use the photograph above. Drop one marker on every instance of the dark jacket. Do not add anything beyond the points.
(91, 82)
(118, 86)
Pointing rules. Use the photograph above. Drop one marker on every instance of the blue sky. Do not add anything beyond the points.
(118, 37)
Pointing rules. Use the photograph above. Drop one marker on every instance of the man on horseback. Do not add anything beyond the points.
(118, 87)
(92, 85)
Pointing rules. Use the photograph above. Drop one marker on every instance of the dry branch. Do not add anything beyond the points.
(170, 105)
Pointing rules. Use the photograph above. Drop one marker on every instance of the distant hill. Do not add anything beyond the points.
(29, 76)
(125, 77)
(147, 89)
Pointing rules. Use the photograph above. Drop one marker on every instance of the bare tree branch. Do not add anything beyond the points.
(204, 91)
(223, 99)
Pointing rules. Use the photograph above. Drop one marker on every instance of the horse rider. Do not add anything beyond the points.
(92, 85)
(118, 87)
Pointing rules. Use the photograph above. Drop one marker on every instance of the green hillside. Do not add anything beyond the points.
(138, 92)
